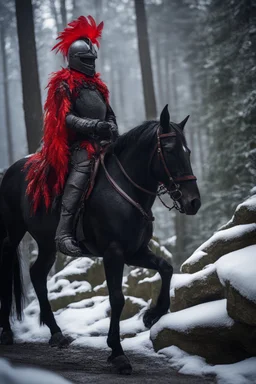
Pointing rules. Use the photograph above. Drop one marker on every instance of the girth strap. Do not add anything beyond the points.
(123, 193)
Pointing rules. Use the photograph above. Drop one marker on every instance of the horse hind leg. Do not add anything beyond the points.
(114, 263)
(38, 274)
(145, 258)
(10, 278)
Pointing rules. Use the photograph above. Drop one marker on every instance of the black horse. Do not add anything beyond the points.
(116, 228)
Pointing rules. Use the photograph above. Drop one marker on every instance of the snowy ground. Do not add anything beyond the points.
(87, 322)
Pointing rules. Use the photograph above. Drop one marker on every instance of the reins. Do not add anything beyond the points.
(173, 189)
(137, 205)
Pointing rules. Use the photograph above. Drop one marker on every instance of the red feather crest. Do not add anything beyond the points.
(83, 27)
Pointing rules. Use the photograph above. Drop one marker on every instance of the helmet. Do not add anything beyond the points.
(82, 55)
(76, 44)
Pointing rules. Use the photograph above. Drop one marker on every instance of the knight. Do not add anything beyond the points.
(77, 116)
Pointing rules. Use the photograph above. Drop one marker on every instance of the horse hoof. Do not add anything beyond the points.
(151, 317)
(121, 364)
(59, 340)
(6, 338)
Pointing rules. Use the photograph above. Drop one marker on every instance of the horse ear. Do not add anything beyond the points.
(183, 123)
(165, 119)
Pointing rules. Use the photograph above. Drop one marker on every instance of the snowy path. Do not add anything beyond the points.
(88, 365)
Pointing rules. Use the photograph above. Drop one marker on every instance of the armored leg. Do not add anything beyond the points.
(75, 186)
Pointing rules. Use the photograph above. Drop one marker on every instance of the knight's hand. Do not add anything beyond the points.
(103, 129)
(114, 131)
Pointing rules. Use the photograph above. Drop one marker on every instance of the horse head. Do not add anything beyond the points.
(172, 165)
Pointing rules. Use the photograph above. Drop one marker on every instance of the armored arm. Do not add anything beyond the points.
(111, 119)
(83, 126)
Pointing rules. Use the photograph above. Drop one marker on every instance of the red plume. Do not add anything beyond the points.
(83, 27)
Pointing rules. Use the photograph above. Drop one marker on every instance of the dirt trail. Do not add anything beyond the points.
(88, 365)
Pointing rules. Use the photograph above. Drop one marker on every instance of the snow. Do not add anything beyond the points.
(88, 317)
(68, 289)
(243, 372)
(212, 314)
(151, 279)
(77, 266)
(239, 268)
(225, 234)
(187, 279)
(17, 375)
(250, 204)
(87, 322)
(171, 241)
(162, 249)
(165, 252)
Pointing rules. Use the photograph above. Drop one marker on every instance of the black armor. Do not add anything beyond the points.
(81, 56)
(91, 118)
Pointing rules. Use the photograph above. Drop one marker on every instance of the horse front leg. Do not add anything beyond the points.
(114, 264)
(145, 258)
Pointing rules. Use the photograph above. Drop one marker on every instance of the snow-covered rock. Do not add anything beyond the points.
(245, 213)
(143, 283)
(196, 288)
(205, 330)
(160, 250)
(221, 243)
(224, 267)
(237, 272)
(81, 279)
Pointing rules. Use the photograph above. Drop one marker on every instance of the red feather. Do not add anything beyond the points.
(47, 169)
(83, 27)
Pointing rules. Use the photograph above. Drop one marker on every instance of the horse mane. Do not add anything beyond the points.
(144, 132)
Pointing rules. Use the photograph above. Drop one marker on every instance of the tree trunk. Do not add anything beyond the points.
(98, 5)
(6, 97)
(75, 12)
(63, 12)
(159, 73)
(29, 73)
(55, 15)
(167, 93)
(145, 60)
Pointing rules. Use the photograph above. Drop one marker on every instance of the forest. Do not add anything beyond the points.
(197, 56)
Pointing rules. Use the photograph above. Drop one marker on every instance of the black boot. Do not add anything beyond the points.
(71, 201)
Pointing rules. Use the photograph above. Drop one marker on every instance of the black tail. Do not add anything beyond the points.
(10, 274)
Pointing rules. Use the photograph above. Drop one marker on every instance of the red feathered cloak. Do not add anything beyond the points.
(48, 168)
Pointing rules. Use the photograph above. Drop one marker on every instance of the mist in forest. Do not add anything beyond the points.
(197, 56)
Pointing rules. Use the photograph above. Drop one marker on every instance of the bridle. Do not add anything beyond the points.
(172, 189)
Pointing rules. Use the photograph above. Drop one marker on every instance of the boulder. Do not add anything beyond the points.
(62, 302)
(221, 243)
(63, 292)
(206, 330)
(237, 271)
(239, 307)
(132, 306)
(199, 288)
(83, 269)
(143, 283)
(160, 250)
(244, 214)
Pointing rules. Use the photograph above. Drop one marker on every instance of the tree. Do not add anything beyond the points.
(6, 95)
(29, 73)
(145, 60)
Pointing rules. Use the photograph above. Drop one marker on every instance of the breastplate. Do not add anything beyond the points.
(90, 103)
